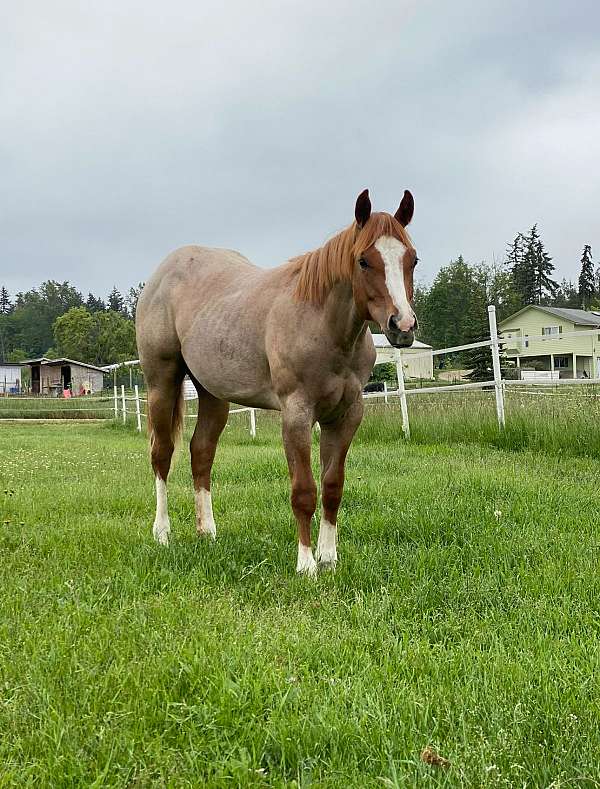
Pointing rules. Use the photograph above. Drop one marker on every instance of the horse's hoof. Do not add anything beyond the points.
(207, 534)
(306, 563)
(161, 536)
(307, 572)
(327, 566)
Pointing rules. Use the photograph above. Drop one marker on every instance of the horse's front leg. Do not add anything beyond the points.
(297, 420)
(336, 438)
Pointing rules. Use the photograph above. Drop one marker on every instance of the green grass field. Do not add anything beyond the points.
(464, 613)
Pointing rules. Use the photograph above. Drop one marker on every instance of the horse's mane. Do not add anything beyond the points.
(318, 271)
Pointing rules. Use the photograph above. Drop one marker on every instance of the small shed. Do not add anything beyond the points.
(10, 378)
(417, 361)
(53, 376)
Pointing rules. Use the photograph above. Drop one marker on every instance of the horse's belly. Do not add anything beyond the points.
(237, 374)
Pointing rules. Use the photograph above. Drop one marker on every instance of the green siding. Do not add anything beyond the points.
(531, 322)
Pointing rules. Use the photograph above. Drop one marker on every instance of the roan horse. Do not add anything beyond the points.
(292, 338)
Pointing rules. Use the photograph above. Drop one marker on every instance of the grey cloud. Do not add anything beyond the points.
(129, 129)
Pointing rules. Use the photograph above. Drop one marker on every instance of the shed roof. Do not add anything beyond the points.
(579, 317)
(12, 364)
(55, 362)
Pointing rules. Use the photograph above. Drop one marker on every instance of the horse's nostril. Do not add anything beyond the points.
(404, 324)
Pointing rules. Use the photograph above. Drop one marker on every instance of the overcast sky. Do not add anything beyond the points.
(130, 128)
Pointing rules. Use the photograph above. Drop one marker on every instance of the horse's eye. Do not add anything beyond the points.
(363, 263)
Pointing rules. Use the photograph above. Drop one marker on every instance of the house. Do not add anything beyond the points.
(10, 378)
(534, 334)
(53, 376)
(417, 361)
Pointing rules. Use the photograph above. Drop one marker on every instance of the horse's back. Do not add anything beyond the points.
(191, 265)
(208, 307)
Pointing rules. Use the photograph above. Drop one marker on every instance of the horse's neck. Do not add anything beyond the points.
(341, 316)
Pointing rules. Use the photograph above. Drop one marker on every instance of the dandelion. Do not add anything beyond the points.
(497, 514)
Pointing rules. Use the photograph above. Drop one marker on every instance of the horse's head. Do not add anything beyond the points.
(384, 263)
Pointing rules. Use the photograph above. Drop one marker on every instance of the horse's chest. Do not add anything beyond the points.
(337, 394)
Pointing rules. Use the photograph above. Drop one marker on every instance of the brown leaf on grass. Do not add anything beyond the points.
(430, 756)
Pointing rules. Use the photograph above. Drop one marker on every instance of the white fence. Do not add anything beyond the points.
(121, 400)
(402, 393)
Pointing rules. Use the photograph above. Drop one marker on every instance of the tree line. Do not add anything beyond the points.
(55, 319)
(452, 311)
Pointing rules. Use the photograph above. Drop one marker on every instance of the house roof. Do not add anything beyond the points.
(12, 364)
(579, 317)
(381, 341)
(54, 362)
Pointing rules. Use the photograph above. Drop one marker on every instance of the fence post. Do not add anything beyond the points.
(137, 409)
(496, 366)
(402, 393)
(123, 403)
(385, 395)
(253, 423)
(116, 403)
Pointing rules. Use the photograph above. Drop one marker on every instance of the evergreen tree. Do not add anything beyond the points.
(479, 360)
(520, 272)
(116, 302)
(587, 285)
(531, 267)
(567, 295)
(5, 304)
(542, 267)
(94, 304)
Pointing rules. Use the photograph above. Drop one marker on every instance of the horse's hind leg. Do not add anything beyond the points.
(212, 418)
(165, 421)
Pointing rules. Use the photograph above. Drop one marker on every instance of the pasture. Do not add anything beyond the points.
(463, 614)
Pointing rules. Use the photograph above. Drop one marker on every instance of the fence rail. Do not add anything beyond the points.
(125, 405)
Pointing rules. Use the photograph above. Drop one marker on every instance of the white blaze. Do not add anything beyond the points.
(306, 563)
(205, 522)
(392, 253)
(162, 527)
(326, 544)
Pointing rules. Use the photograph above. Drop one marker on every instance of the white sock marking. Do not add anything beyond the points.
(326, 544)
(205, 522)
(306, 562)
(392, 253)
(162, 527)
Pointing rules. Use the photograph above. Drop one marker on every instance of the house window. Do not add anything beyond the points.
(561, 362)
(548, 331)
(526, 341)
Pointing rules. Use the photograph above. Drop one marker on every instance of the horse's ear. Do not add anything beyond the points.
(362, 211)
(406, 209)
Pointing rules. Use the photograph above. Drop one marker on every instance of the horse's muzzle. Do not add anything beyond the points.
(400, 339)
